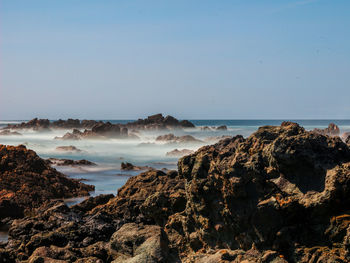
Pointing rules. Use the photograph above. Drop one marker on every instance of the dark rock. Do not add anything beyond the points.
(8, 132)
(130, 167)
(171, 138)
(68, 162)
(159, 122)
(281, 195)
(332, 130)
(179, 153)
(222, 128)
(70, 148)
(26, 181)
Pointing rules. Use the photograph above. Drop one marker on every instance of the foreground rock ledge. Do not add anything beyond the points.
(281, 195)
(26, 181)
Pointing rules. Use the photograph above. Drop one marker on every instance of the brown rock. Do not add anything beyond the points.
(70, 148)
(332, 130)
(26, 181)
(179, 153)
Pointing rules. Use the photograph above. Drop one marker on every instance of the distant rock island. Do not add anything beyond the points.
(280, 195)
(98, 129)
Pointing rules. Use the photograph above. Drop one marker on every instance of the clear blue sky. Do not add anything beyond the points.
(228, 59)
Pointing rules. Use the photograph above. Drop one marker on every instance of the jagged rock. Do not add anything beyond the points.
(26, 181)
(331, 130)
(8, 132)
(281, 195)
(130, 167)
(68, 162)
(159, 122)
(70, 148)
(222, 128)
(179, 153)
(171, 138)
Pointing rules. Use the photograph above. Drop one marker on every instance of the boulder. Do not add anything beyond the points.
(26, 181)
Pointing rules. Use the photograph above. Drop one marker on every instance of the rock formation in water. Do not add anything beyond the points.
(331, 130)
(100, 128)
(130, 167)
(179, 153)
(26, 181)
(68, 162)
(8, 133)
(70, 148)
(222, 128)
(159, 122)
(171, 138)
(281, 195)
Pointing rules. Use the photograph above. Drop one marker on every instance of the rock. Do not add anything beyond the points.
(222, 128)
(68, 162)
(171, 138)
(8, 132)
(70, 148)
(280, 195)
(74, 136)
(179, 153)
(159, 122)
(130, 167)
(26, 181)
(139, 243)
(346, 137)
(332, 130)
(205, 128)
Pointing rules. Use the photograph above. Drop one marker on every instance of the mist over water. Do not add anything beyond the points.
(144, 151)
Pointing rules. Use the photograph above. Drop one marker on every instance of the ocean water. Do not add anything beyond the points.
(145, 151)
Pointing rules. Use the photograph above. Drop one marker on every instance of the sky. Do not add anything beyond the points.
(194, 59)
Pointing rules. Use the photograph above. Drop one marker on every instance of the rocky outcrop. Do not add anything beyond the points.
(70, 148)
(159, 122)
(171, 138)
(130, 167)
(222, 128)
(93, 128)
(179, 153)
(8, 132)
(26, 181)
(346, 137)
(45, 124)
(100, 130)
(331, 130)
(281, 195)
(68, 162)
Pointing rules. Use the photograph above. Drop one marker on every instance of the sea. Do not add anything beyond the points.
(144, 151)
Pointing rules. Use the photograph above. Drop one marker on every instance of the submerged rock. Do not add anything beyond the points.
(8, 132)
(171, 138)
(222, 128)
(130, 167)
(26, 181)
(281, 195)
(70, 148)
(68, 162)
